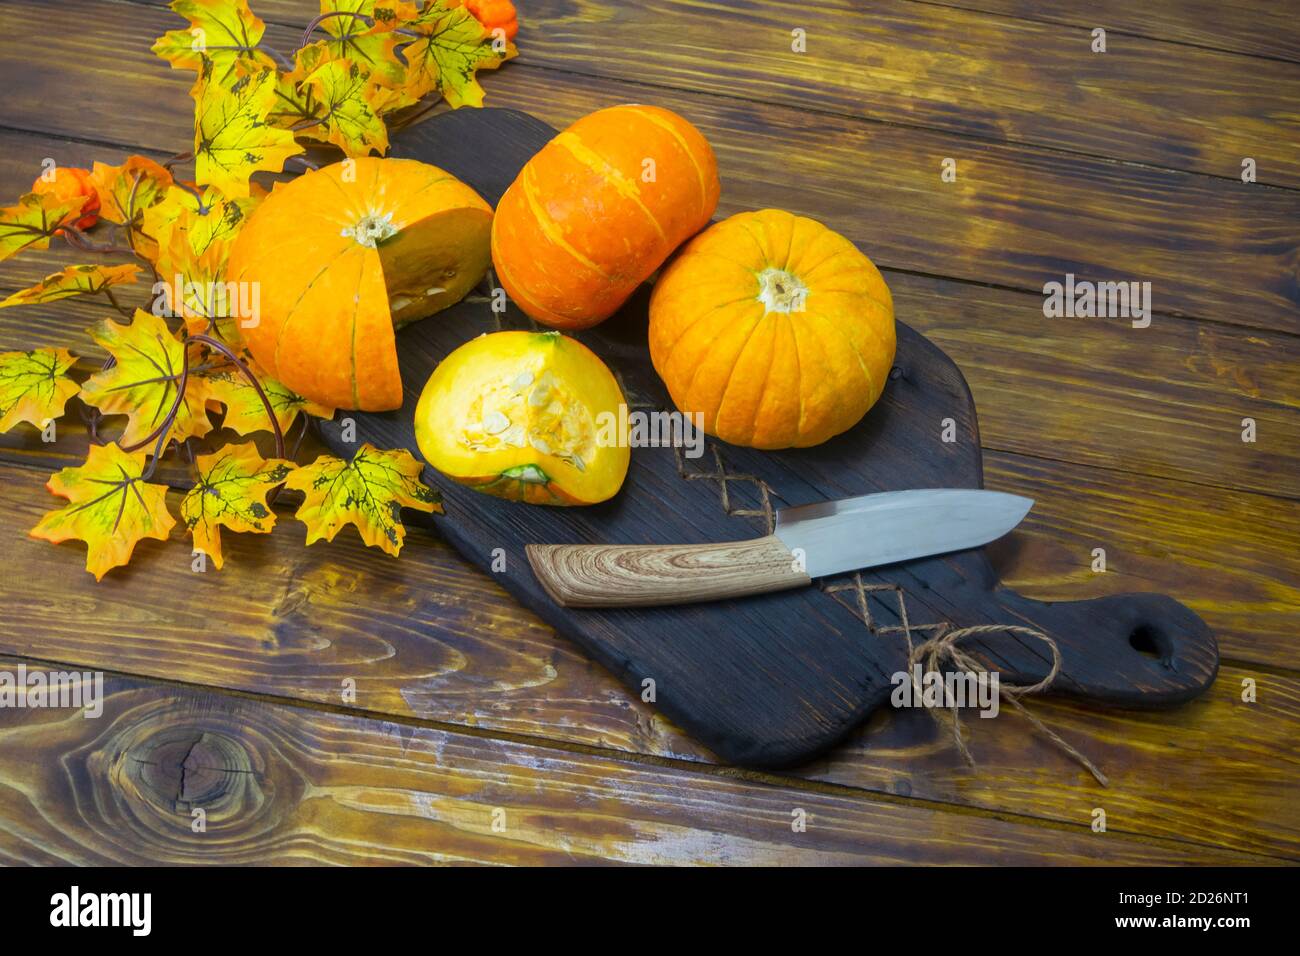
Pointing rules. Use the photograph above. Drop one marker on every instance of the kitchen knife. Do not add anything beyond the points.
(810, 541)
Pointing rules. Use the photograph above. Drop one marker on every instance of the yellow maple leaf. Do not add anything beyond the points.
(110, 507)
(195, 288)
(204, 216)
(232, 135)
(126, 191)
(34, 219)
(367, 39)
(452, 48)
(142, 383)
(231, 493)
(226, 31)
(346, 94)
(73, 280)
(34, 386)
(369, 491)
(245, 413)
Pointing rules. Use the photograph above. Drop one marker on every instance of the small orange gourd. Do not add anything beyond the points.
(331, 263)
(67, 182)
(775, 329)
(494, 14)
(599, 209)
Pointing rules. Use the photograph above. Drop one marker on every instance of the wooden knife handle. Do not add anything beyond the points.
(620, 575)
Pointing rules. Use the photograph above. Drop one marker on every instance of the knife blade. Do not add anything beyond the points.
(809, 541)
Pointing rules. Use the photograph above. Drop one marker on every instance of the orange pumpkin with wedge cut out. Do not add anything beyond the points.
(599, 209)
(340, 258)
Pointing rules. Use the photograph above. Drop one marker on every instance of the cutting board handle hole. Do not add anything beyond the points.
(1143, 640)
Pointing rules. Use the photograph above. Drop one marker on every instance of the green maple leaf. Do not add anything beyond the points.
(225, 31)
(231, 493)
(73, 280)
(350, 119)
(110, 507)
(232, 136)
(452, 48)
(34, 386)
(369, 491)
(34, 219)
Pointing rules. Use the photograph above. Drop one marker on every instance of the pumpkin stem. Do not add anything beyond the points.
(781, 291)
(372, 230)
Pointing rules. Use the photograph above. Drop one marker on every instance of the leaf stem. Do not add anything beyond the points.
(225, 350)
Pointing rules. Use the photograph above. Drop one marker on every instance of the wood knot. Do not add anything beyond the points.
(181, 768)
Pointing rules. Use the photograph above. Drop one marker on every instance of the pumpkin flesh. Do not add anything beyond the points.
(526, 416)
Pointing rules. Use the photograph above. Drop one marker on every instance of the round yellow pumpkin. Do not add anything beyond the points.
(775, 329)
(529, 416)
(332, 262)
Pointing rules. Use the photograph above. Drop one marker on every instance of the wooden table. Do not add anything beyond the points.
(477, 734)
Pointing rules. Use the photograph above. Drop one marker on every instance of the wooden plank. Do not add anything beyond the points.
(945, 66)
(437, 641)
(284, 785)
(1252, 27)
(1016, 217)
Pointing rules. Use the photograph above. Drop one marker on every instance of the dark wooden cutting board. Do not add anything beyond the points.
(771, 680)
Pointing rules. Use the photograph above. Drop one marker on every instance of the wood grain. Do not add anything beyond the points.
(437, 641)
(1252, 27)
(500, 678)
(1016, 217)
(283, 785)
(648, 575)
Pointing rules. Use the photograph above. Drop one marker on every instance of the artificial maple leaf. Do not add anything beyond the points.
(34, 219)
(231, 492)
(73, 280)
(195, 287)
(34, 386)
(245, 412)
(350, 120)
(367, 39)
(225, 31)
(296, 105)
(142, 384)
(452, 48)
(205, 217)
(110, 507)
(369, 491)
(232, 136)
(126, 191)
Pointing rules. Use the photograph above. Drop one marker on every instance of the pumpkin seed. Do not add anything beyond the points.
(494, 423)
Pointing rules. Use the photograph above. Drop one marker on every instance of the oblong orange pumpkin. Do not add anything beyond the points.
(599, 209)
(342, 256)
(775, 329)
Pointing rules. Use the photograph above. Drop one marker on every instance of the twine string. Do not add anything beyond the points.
(943, 649)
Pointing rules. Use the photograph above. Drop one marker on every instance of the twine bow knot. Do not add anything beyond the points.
(942, 649)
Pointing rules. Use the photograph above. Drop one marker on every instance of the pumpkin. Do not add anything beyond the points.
(775, 329)
(332, 262)
(495, 14)
(598, 210)
(529, 416)
(69, 182)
